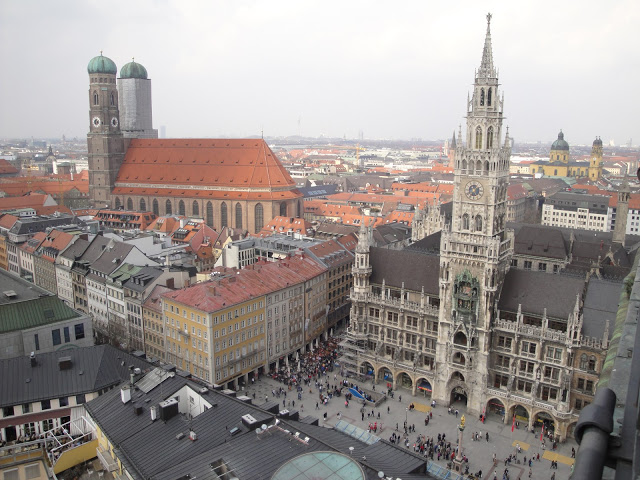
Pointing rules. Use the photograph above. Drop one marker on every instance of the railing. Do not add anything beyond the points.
(107, 461)
(395, 303)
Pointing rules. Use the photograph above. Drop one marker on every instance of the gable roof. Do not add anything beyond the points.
(414, 268)
(206, 168)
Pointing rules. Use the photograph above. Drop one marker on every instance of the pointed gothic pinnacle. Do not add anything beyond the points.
(486, 66)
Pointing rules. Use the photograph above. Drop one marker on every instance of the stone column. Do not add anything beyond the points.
(457, 462)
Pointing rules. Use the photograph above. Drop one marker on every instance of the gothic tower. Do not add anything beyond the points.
(134, 101)
(104, 140)
(595, 163)
(475, 247)
(361, 275)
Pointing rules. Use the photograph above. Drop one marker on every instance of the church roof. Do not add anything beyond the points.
(101, 64)
(204, 168)
(560, 143)
(133, 70)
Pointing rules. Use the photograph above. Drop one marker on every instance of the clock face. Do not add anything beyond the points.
(474, 190)
(96, 121)
(114, 122)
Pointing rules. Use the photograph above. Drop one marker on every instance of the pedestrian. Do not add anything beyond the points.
(388, 409)
(553, 476)
(573, 452)
(530, 473)
(399, 398)
(317, 406)
(456, 413)
(487, 436)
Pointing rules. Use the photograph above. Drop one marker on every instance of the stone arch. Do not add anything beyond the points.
(542, 417)
(478, 167)
(464, 164)
(130, 204)
(404, 380)
(456, 377)
(570, 429)
(495, 406)
(425, 386)
(465, 221)
(459, 394)
(385, 375)
(520, 413)
(367, 369)
(143, 205)
(460, 338)
(458, 358)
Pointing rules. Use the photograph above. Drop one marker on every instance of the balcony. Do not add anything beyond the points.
(107, 461)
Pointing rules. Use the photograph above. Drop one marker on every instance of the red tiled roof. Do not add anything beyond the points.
(6, 168)
(25, 201)
(7, 221)
(150, 164)
(57, 240)
(516, 191)
(286, 224)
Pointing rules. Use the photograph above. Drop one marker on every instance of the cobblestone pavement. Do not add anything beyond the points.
(394, 411)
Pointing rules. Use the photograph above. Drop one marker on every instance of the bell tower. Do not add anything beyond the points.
(104, 140)
(475, 247)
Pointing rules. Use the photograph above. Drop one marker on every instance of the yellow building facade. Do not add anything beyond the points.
(214, 333)
(560, 163)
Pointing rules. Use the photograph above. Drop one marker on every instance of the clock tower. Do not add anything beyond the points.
(475, 248)
(104, 141)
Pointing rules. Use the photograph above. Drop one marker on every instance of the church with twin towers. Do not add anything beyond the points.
(459, 317)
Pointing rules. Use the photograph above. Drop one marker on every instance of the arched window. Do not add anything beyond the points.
(584, 361)
(112, 99)
(167, 208)
(489, 97)
(117, 203)
(490, 136)
(478, 223)
(486, 167)
(478, 138)
(195, 209)
(95, 98)
(223, 215)
(143, 205)
(129, 204)
(181, 209)
(238, 215)
(555, 171)
(283, 209)
(465, 222)
(209, 218)
(482, 97)
(155, 208)
(259, 214)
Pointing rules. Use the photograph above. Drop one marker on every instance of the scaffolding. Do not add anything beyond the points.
(353, 345)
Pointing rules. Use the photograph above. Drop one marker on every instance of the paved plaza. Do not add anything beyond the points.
(395, 410)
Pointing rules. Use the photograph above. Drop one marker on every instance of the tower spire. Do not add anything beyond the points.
(486, 66)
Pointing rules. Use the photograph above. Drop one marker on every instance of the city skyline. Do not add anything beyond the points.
(282, 68)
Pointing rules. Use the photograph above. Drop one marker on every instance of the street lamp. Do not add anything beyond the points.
(406, 412)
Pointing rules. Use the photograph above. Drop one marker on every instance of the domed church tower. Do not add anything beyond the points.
(595, 163)
(104, 140)
(134, 94)
(559, 150)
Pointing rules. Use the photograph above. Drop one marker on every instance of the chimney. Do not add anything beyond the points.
(125, 394)
(33, 359)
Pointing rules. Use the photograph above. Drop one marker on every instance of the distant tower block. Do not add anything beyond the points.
(134, 94)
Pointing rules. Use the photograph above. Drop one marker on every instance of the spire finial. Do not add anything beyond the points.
(133, 59)
(488, 21)
(100, 52)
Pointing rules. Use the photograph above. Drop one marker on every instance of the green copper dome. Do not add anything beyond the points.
(133, 70)
(560, 143)
(101, 64)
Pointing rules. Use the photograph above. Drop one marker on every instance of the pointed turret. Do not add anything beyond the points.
(486, 69)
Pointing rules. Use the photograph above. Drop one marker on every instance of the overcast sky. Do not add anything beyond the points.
(391, 69)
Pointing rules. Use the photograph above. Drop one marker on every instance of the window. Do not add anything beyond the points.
(26, 408)
(465, 222)
(482, 97)
(7, 411)
(500, 381)
(527, 265)
(223, 215)
(112, 99)
(36, 340)
(67, 335)
(489, 97)
(584, 362)
(195, 208)
(45, 404)
(478, 138)
(181, 209)
(129, 204)
(504, 342)
(155, 208)
(592, 364)
(259, 217)
(167, 208)
(238, 215)
(529, 348)
(55, 334)
(554, 354)
(478, 223)
(32, 471)
(490, 129)
(95, 98)
(64, 401)
(143, 205)
(542, 267)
